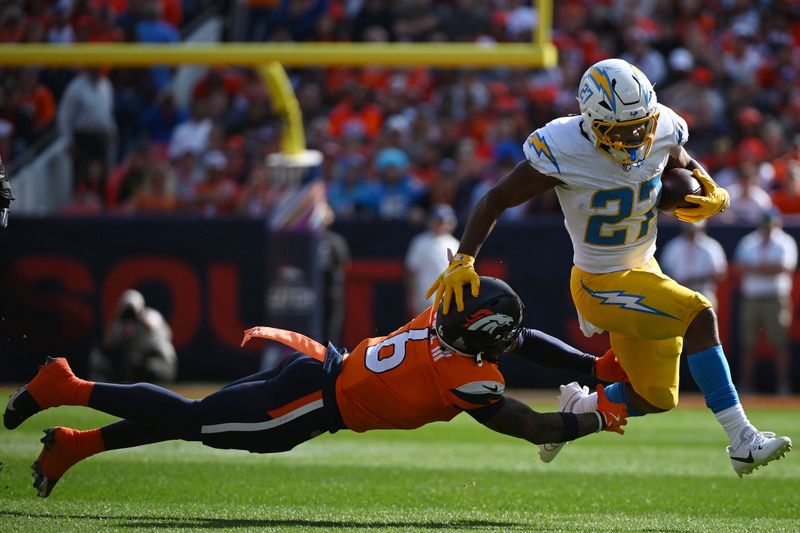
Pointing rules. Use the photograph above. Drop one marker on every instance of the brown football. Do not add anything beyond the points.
(676, 183)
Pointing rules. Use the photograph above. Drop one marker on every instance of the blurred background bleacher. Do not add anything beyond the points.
(158, 177)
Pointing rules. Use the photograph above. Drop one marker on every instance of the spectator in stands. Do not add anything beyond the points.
(353, 193)
(299, 18)
(127, 178)
(640, 52)
(355, 115)
(398, 190)
(695, 260)
(12, 27)
(161, 117)
(427, 257)
(191, 135)
(151, 28)
(748, 200)
(60, 31)
(787, 196)
(157, 193)
(86, 118)
(766, 259)
(258, 20)
(216, 193)
(256, 198)
(371, 14)
(417, 21)
(103, 29)
(742, 60)
(188, 173)
(136, 345)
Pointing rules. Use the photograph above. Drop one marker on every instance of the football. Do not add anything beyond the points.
(676, 183)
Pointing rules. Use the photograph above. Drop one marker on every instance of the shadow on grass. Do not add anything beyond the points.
(173, 523)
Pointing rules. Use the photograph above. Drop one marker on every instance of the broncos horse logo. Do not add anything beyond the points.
(486, 320)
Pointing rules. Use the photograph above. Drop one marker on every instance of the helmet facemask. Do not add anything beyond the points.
(627, 143)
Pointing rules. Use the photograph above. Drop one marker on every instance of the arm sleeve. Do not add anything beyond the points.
(546, 350)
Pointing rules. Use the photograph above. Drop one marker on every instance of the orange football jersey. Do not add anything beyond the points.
(403, 380)
(406, 379)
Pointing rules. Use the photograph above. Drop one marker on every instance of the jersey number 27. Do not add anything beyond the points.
(624, 196)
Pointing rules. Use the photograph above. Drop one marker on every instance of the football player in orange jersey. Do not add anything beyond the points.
(431, 369)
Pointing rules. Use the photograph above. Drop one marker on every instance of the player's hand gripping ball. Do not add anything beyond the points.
(713, 200)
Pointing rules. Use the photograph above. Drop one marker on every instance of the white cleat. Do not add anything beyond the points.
(570, 394)
(755, 449)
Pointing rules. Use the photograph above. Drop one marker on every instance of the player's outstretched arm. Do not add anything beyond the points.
(543, 349)
(519, 185)
(516, 419)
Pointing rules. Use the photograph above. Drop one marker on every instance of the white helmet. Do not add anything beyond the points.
(618, 105)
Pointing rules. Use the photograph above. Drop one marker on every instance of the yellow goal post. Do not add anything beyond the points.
(270, 58)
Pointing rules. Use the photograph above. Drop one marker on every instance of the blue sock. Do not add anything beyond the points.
(712, 374)
(616, 394)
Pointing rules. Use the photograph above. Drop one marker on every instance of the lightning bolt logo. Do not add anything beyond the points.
(603, 83)
(631, 302)
(541, 148)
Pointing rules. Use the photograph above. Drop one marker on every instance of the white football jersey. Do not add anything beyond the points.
(610, 213)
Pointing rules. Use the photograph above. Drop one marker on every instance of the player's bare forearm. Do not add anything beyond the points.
(518, 420)
(516, 187)
(480, 224)
(680, 158)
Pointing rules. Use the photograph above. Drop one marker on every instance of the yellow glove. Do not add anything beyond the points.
(715, 200)
(460, 272)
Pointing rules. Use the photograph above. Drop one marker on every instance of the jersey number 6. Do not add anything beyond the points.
(394, 350)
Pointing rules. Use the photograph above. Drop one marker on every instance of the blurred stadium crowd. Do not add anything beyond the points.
(398, 140)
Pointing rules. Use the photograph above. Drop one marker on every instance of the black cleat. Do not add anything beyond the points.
(41, 482)
(20, 407)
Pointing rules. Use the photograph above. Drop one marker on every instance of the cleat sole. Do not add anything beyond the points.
(778, 454)
(41, 482)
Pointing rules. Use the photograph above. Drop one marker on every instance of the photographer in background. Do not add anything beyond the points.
(137, 345)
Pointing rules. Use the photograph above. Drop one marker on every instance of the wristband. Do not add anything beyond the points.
(571, 428)
(600, 421)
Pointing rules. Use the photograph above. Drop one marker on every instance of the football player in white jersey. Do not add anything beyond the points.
(605, 165)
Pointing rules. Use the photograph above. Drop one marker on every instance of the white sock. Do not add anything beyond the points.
(585, 404)
(733, 420)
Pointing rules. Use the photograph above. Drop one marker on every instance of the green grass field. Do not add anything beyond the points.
(668, 473)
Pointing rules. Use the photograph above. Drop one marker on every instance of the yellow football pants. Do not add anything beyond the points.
(646, 314)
